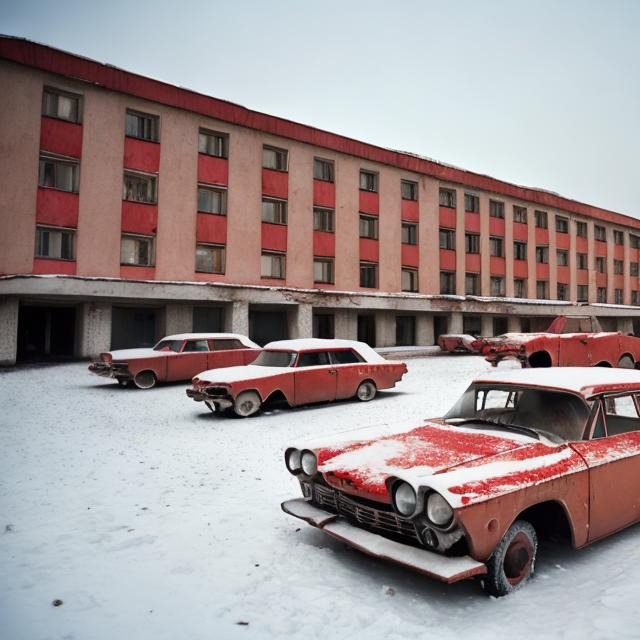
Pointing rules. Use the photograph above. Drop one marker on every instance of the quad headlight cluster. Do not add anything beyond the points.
(304, 461)
(405, 502)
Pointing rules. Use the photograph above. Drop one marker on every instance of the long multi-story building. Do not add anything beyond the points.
(131, 208)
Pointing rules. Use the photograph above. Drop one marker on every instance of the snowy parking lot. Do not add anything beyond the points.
(149, 517)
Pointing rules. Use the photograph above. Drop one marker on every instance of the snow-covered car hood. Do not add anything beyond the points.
(238, 374)
(516, 338)
(465, 465)
(130, 354)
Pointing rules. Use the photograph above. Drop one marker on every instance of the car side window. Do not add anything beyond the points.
(345, 356)
(313, 359)
(195, 345)
(621, 414)
(227, 344)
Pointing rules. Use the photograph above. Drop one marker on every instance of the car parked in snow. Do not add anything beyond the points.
(570, 341)
(460, 343)
(298, 372)
(174, 358)
(522, 454)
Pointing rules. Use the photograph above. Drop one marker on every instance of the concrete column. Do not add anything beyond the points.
(573, 272)
(485, 260)
(346, 324)
(237, 318)
(591, 259)
(460, 244)
(8, 331)
(178, 319)
(455, 322)
(424, 329)
(625, 325)
(553, 257)
(486, 325)
(385, 329)
(300, 320)
(95, 329)
(513, 324)
(626, 295)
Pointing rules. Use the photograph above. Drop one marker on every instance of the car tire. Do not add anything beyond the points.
(145, 379)
(512, 562)
(626, 362)
(366, 391)
(246, 404)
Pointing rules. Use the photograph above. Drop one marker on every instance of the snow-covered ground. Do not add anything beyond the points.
(149, 517)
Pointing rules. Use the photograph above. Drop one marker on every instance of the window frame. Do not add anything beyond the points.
(279, 155)
(152, 177)
(317, 213)
(450, 235)
(477, 284)
(413, 190)
(48, 89)
(412, 232)
(496, 246)
(324, 163)
(274, 254)
(447, 198)
(541, 219)
(565, 259)
(371, 221)
(414, 282)
(210, 188)
(154, 120)
(497, 280)
(280, 209)
(212, 245)
(223, 139)
(325, 261)
(58, 160)
(471, 203)
(562, 224)
(520, 214)
(581, 229)
(599, 233)
(496, 209)
(140, 237)
(62, 231)
(368, 176)
(450, 278)
(542, 254)
(373, 268)
(520, 247)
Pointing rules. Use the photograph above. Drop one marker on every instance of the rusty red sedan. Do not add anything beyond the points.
(521, 455)
(175, 358)
(298, 372)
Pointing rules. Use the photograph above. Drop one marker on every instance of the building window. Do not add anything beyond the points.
(541, 290)
(634, 269)
(471, 203)
(583, 293)
(274, 211)
(519, 214)
(409, 233)
(562, 258)
(600, 233)
(601, 265)
(634, 241)
(496, 209)
(472, 242)
(496, 247)
(542, 254)
(143, 126)
(59, 173)
(519, 250)
(136, 250)
(562, 225)
(618, 296)
(447, 282)
(563, 291)
(368, 181)
(211, 200)
(497, 286)
(61, 105)
(472, 284)
(581, 261)
(635, 297)
(447, 239)
(618, 237)
(520, 288)
(323, 270)
(618, 267)
(409, 190)
(274, 158)
(541, 219)
(448, 198)
(55, 243)
(323, 169)
(368, 275)
(368, 227)
(210, 258)
(139, 187)
(212, 143)
(581, 229)
(323, 219)
(273, 265)
(602, 295)
(409, 280)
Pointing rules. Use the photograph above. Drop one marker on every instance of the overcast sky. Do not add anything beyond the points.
(542, 93)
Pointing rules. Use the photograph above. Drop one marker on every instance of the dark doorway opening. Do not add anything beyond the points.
(440, 325)
(323, 325)
(133, 327)
(267, 326)
(500, 326)
(405, 330)
(367, 329)
(46, 333)
(208, 320)
(472, 325)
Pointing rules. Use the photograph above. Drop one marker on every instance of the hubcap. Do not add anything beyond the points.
(364, 392)
(517, 559)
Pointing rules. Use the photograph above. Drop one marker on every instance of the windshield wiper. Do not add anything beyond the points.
(528, 431)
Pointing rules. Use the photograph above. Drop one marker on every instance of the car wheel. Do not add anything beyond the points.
(145, 379)
(366, 391)
(512, 562)
(626, 362)
(246, 404)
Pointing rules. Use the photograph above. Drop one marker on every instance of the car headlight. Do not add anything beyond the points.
(309, 463)
(404, 499)
(439, 511)
(292, 460)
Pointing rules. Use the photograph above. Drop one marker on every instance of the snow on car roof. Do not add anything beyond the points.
(204, 336)
(586, 381)
(304, 344)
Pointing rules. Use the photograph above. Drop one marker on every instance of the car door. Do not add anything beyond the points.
(191, 360)
(351, 370)
(226, 352)
(613, 457)
(315, 378)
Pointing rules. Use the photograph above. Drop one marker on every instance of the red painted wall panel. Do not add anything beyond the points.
(520, 269)
(324, 194)
(472, 222)
(520, 231)
(410, 255)
(562, 240)
(210, 277)
(369, 202)
(210, 228)
(542, 271)
(369, 249)
(618, 282)
(582, 245)
(542, 236)
(274, 236)
(618, 251)
(563, 274)
(496, 227)
(324, 244)
(275, 183)
(61, 137)
(59, 208)
(141, 155)
(497, 266)
(139, 218)
(410, 210)
(447, 217)
(447, 260)
(47, 265)
(601, 279)
(582, 276)
(600, 248)
(472, 262)
(129, 272)
(213, 170)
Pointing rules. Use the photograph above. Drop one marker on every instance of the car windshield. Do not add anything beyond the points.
(555, 414)
(275, 359)
(168, 345)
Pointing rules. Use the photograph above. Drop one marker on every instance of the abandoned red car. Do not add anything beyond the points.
(524, 454)
(570, 341)
(174, 358)
(460, 343)
(298, 372)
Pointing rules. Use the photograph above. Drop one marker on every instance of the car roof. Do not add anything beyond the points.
(585, 381)
(205, 336)
(311, 344)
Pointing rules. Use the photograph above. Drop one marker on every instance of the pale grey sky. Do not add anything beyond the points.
(543, 93)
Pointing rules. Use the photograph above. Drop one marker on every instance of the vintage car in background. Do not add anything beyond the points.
(570, 341)
(298, 372)
(175, 358)
(460, 343)
(523, 454)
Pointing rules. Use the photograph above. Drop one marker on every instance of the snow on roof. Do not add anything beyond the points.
(303, 344)
(220, 336)
(585, 381)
